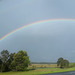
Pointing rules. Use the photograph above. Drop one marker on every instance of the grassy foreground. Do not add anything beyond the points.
(39, 71)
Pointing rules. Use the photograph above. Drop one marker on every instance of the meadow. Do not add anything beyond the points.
(43, 65)
(40, 69)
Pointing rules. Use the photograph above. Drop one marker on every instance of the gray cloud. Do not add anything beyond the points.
(43, 42)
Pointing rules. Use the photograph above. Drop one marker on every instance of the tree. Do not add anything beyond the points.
(20, 61)
(66, 63)
(13, 62)
(62, 63)
(4, 58)
(0, 64)
(10, 60)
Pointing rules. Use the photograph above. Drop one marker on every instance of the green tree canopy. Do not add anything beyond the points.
(62, 63)
(4, 59)
(20, 61)
(4, 56)
(13, 62)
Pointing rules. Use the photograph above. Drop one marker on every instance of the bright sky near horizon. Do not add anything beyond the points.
(44, 42)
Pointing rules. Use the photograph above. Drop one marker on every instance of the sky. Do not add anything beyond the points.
(44, 42)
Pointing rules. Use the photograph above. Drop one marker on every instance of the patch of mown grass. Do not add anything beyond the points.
(39, 71)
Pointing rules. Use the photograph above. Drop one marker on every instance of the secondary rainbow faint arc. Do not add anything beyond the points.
(34, 23)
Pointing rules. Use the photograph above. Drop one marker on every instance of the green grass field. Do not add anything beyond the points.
(39, 71)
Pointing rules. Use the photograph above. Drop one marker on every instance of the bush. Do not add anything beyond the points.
(33, 67)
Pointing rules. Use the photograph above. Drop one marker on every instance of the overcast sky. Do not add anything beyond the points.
(44, 42)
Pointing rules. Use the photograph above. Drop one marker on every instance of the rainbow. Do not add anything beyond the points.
(34, 23)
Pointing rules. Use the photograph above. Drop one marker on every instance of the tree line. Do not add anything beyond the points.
(13, 61)
(19, 61)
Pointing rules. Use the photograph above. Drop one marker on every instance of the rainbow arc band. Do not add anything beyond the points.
(34, 23)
